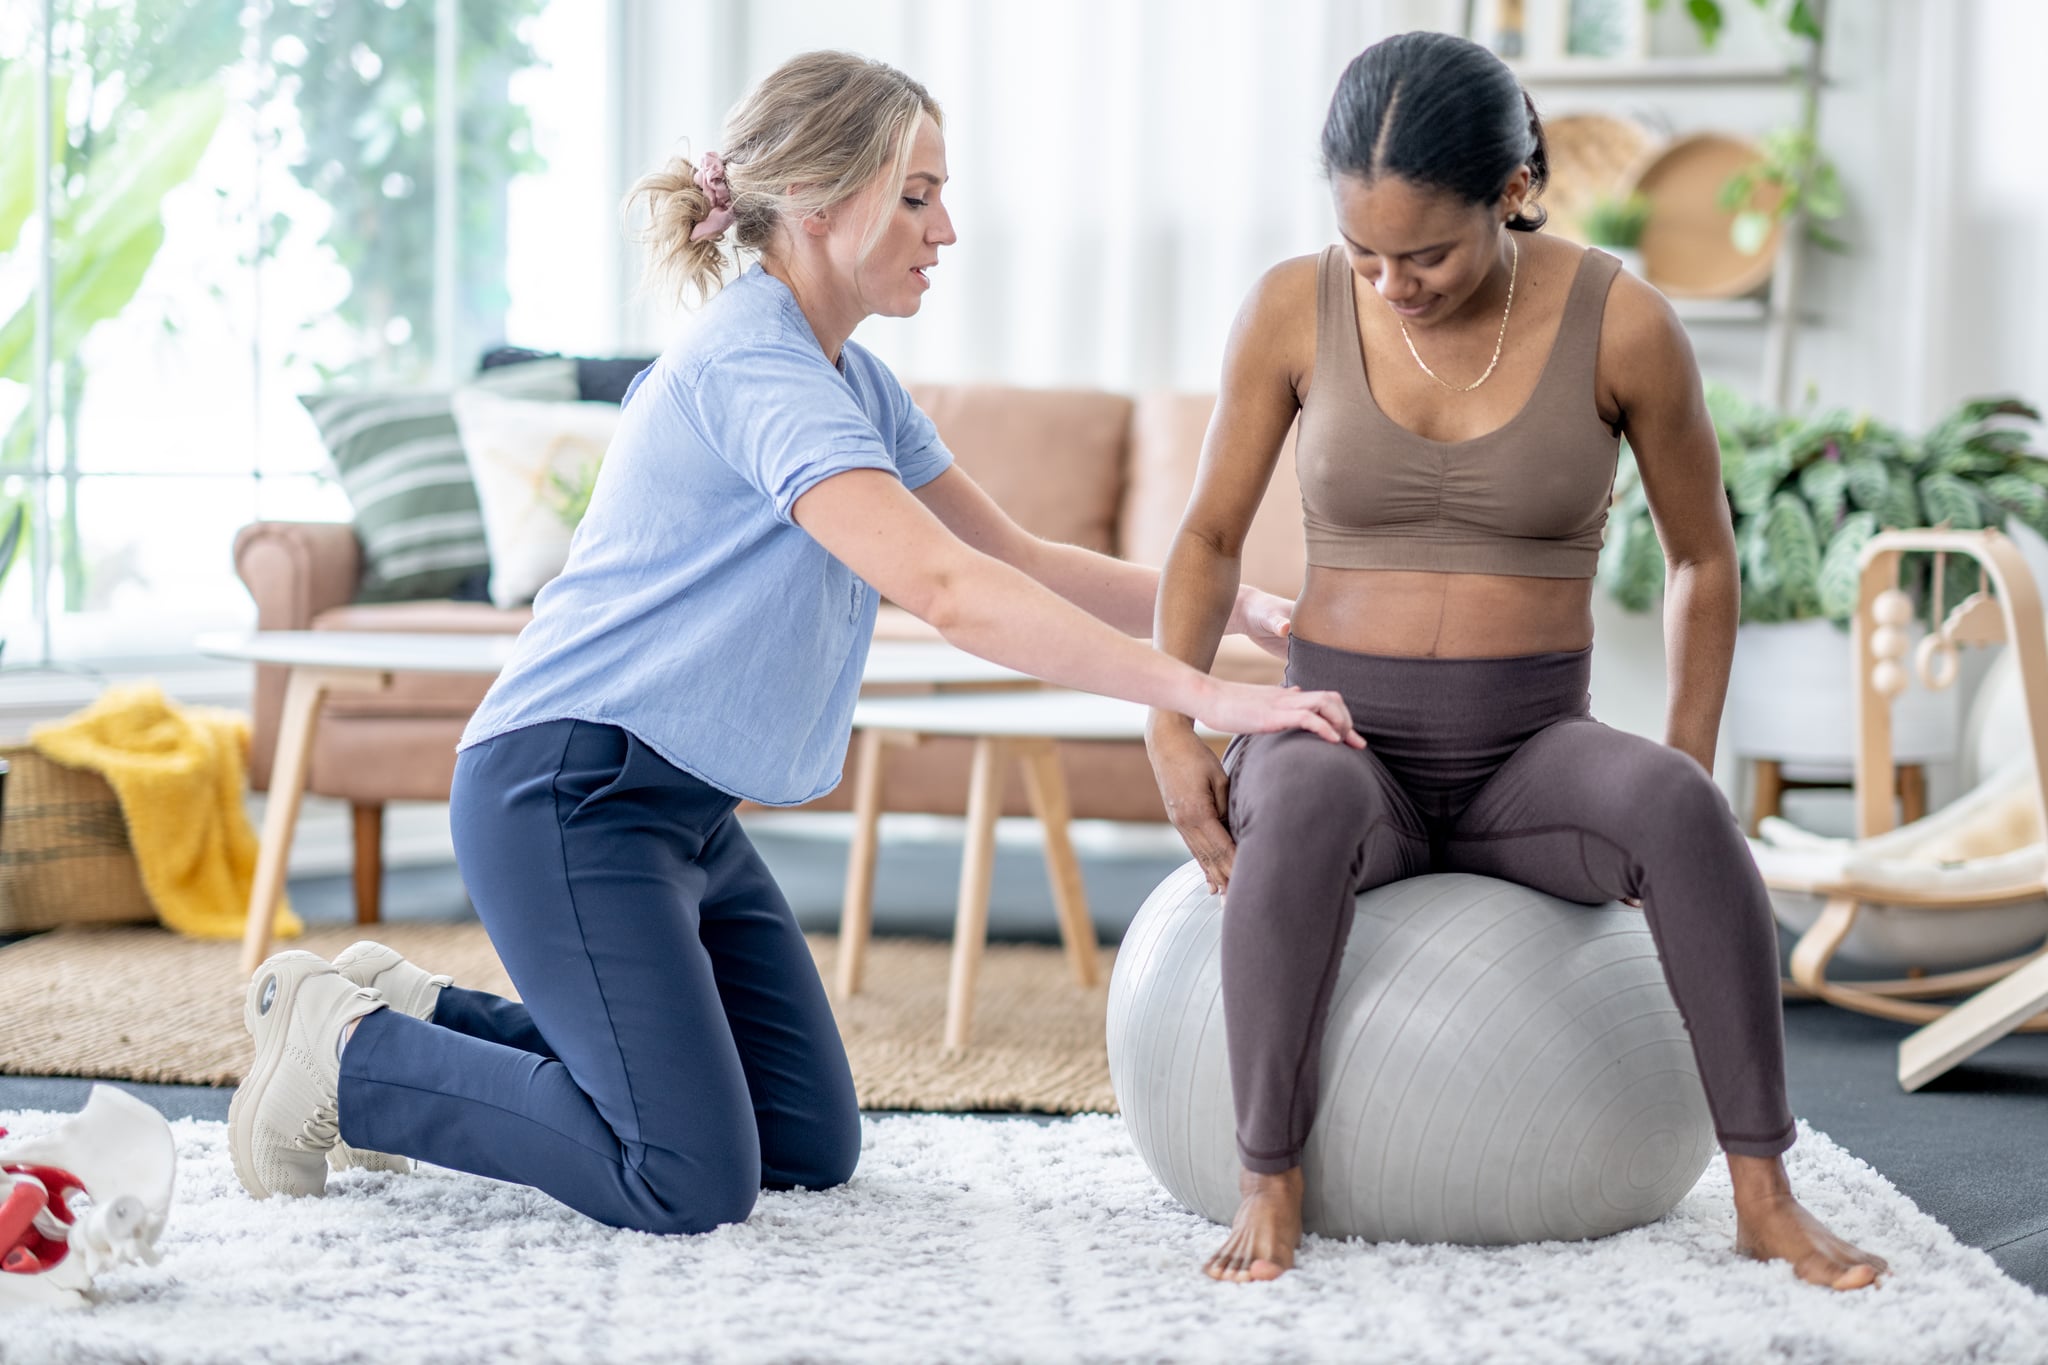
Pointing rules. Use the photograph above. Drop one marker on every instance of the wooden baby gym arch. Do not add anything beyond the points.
(2010, 995)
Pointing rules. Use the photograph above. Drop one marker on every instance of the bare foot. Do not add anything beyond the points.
(1770, 1225)
(1265, 1232)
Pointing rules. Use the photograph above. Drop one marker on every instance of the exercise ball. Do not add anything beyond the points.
(1500, 1066)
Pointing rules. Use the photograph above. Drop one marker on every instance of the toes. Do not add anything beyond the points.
(1856, 1277)
(1263, 1269)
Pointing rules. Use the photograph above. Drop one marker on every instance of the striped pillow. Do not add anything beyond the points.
(399, 459)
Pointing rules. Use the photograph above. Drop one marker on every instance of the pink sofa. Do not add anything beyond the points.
(1088, 468)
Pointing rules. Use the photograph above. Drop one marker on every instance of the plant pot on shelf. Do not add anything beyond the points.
(1789, 699)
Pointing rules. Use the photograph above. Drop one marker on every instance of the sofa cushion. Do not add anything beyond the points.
(1166, 448)
(399, 460)
(1053, 458)
(599, 379)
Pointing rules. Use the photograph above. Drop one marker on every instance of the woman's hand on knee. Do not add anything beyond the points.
(1251, 709)
(1197, 793)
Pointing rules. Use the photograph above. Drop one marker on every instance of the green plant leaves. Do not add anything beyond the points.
(1787, 554)
(1868, 482)
(2022, 497)
(1809, 492)
(111, 230)
(1825, 486)
(1750, 231)
(18, 131)
(1840, 575)
(1950, 502)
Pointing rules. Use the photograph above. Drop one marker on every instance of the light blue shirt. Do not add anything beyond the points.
(694, 612)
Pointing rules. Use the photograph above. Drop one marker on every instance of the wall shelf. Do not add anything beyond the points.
(1654, 71)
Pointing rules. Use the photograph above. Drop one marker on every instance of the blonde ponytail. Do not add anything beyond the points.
(675, 207)
(816, 132)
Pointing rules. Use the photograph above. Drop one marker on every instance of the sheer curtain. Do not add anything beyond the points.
(1123, 170)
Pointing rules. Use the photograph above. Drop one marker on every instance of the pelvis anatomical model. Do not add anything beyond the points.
(92, 1193)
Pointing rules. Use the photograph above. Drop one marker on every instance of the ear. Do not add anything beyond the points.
(1515, 196)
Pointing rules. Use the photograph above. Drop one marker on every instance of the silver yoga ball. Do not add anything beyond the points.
(1500, 1066)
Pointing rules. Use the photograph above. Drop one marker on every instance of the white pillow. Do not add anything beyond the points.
(522, 454)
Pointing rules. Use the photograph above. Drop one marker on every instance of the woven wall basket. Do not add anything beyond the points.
(64, 855)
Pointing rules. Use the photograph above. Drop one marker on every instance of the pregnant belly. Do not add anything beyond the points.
(1443, 615)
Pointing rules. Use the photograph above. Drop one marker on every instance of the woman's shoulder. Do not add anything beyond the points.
(1287, 289)
(1276, 325)
(754, 313)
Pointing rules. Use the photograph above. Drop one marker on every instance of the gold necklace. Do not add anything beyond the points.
(1514, 264)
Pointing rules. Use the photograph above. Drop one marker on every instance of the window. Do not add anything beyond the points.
(250, 200)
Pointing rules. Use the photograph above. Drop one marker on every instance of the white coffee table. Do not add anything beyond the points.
(324, 661)
(1026, 727)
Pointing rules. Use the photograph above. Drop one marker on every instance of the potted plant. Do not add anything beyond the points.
(1807, 492)
(1615, 225)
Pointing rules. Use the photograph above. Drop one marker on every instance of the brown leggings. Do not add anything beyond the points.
(1496, 767)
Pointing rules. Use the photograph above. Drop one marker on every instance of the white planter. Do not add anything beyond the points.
(1789, 698)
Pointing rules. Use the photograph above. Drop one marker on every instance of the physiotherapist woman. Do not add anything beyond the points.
(674, 1052)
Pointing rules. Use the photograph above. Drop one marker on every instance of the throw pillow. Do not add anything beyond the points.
(398, 457)
(599, 379)
(533, 464)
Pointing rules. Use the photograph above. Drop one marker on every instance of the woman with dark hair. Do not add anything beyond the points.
(1460, 418)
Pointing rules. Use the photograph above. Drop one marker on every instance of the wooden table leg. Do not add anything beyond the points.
(1046, 784)
(1767, 793)
(304, 691)
(977, 869)
(1912, 793)
(369, 860)
(857, 908)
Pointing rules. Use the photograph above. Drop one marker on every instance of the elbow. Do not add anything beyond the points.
(940, 599)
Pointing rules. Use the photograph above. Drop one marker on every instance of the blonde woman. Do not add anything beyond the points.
(674, 1052)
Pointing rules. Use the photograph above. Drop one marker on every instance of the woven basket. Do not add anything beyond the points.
(64, 854)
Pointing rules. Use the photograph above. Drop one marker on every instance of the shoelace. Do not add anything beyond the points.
(321, 1131)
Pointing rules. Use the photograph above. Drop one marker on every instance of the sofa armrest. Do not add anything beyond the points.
(295, 570)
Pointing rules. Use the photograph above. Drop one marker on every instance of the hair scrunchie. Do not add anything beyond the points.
(710, 177)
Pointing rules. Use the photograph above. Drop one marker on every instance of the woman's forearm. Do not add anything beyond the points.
(1109, 589)
(1001, 613)
(1702, 602)
(1197, 591)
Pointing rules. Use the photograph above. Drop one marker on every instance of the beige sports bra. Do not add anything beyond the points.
(1529, 499)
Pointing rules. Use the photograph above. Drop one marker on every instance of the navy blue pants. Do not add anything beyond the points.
(674, 1052)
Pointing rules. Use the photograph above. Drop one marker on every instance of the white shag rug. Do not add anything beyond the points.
(969, 1240)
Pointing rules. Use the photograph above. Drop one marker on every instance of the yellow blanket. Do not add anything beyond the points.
(178, 773)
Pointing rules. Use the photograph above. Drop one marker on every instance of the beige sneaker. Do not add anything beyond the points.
(405, 988)
(282, 1120)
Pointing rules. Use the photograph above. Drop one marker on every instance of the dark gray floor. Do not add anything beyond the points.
(1967, 1149)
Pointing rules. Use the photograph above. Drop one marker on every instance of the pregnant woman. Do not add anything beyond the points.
(1462, 383)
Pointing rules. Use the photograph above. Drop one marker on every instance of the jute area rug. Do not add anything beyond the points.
(964, 1240)
(146, 1005)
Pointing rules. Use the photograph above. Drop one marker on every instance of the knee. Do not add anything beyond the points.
(1679, 796)
(1304, 783)
(676, 1204)
(823, 1155)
